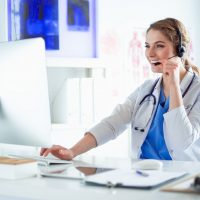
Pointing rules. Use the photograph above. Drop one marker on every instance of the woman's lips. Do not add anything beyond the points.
(155, 63)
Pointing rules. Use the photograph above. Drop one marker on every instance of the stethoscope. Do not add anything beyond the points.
(151, 95)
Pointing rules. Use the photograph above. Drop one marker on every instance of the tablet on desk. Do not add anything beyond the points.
(70, 172)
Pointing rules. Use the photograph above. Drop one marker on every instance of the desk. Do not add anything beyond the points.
(60, 189)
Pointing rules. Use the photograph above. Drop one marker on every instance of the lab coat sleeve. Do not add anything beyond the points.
(182, 130)
(110, 127)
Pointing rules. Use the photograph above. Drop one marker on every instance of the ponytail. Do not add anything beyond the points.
(188, 64)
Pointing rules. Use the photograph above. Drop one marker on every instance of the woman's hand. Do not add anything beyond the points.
(171, 70)
(86, 143)
(58, 151)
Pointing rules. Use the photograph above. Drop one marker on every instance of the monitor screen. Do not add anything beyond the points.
(24, 101)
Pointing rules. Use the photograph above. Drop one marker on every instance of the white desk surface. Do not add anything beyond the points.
(58, 189)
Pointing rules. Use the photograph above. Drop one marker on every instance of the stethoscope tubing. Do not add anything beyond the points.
(153, 88)
(154, 98)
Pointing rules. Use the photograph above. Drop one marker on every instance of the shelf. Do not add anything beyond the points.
(74, 62)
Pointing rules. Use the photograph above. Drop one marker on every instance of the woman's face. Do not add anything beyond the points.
(158, 49)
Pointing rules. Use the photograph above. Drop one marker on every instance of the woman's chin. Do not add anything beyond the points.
(156, 69)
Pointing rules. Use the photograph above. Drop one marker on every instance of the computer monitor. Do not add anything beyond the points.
(24, 101)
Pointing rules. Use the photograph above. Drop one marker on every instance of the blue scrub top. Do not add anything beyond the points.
(154, 146)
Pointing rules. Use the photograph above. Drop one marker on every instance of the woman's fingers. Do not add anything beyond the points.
(53, 150)
(42, 151)
(58, 151)
(169, 66)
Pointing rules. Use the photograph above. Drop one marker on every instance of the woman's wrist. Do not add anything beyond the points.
(73, 154)
(175, 97)
(85, 144)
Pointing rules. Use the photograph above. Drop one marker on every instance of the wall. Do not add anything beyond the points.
(123, 14)
(85, 40)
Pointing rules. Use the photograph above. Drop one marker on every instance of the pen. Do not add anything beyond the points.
(141, 173)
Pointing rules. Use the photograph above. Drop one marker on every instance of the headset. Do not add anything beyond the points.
(180, 48)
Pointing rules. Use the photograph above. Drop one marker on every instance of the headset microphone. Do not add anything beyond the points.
(158, 63)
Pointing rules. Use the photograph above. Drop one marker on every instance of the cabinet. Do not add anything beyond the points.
(67, 79)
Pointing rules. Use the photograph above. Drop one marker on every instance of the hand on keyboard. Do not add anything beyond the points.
(58, 151)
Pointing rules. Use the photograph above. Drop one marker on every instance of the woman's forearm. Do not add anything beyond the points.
(175, 98)
(85, 144)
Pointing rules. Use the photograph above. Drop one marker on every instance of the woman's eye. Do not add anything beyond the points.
(156, 46)
(160, 46)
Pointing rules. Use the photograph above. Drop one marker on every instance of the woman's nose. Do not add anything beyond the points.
(151, 52)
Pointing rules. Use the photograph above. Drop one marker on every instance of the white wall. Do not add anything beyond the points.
(140, 14)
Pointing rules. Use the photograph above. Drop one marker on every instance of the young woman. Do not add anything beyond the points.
(164, 113)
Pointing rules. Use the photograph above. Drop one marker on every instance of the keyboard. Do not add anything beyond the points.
(43, 160)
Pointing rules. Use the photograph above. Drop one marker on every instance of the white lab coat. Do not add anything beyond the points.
(181, 125)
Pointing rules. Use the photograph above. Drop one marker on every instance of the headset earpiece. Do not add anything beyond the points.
(180, 51)
(180, 48)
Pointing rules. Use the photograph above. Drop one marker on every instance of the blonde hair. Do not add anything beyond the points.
(169, 27)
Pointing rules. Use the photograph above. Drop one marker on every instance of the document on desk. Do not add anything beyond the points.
(186, 185)
(145, 179)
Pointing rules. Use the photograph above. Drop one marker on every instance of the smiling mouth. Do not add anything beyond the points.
(155, 63)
